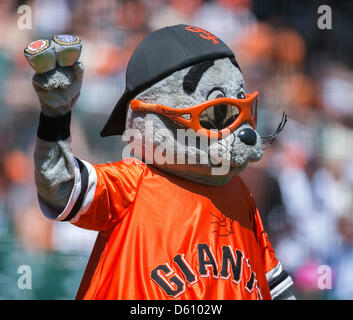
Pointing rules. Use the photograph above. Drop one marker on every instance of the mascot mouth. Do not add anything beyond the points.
(235, 160)
(238, 166)
(231, 165)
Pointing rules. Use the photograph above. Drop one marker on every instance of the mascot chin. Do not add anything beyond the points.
(175, 220)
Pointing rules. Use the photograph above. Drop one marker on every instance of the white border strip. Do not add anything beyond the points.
(282, 286)
(275, 272)
(90, 192)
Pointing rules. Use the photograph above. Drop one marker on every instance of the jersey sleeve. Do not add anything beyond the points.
(279, 281)
(102, 194)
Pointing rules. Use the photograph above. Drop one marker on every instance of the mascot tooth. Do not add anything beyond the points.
(175, 221)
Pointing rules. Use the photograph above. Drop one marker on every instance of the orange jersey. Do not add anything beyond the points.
(162, 237)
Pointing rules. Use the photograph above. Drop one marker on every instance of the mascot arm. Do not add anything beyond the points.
(69, 189)
(57, 83)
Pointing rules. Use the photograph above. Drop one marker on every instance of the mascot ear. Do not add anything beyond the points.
(235, 63)
(161, 53)
(192, 78)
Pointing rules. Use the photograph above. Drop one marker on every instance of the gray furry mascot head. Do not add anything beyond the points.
(189, 69)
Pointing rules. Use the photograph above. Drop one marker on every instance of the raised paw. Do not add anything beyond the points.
(45, 55)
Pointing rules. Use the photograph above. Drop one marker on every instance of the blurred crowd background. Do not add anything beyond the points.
(303, 185)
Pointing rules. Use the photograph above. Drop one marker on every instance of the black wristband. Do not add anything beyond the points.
(54, 128)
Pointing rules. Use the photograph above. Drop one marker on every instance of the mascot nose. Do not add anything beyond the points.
(248, 136)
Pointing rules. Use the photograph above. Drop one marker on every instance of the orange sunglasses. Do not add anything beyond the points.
(214, 118)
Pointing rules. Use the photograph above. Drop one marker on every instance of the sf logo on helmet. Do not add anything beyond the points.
(203, 33)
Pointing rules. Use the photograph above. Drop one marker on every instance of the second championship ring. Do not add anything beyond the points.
(67, 49)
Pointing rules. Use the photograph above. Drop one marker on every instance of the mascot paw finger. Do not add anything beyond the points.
(40, 55)
(60, 77)
(67, 49)
(62, 50)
